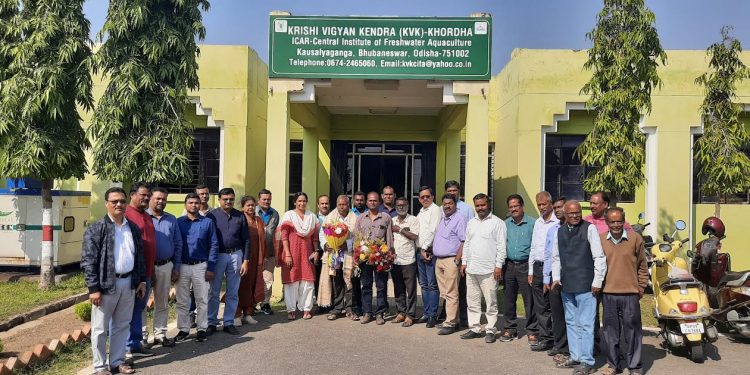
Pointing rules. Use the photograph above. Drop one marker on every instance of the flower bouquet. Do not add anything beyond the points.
(374, 253)
(336, 235)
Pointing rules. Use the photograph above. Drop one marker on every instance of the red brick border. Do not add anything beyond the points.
(43, 352)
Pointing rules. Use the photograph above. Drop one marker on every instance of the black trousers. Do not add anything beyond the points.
(463, 306)
(356, 307)
(542, 311)
(405, 288)
(559, 328)
(622, 323)
(342, 300)
(516, 278)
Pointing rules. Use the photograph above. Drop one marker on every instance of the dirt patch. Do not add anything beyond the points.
(25, 336)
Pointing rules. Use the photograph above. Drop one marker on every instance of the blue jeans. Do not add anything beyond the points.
(369, 274)
(226, 265)
(428, 284)
(580, 311)
(136, 322)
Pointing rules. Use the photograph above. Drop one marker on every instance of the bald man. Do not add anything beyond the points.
(578, 267)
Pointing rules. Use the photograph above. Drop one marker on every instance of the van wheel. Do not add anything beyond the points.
(696, 352)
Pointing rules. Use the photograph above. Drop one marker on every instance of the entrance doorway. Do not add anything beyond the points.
(371, 166)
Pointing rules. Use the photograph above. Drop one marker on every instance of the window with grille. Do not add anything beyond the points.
(563, 172)
(699, 196)
(204, 163)
(490, 169)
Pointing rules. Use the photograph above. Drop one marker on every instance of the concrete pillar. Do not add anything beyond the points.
(477, 135)
(452, 157)
(310, 162)
(277, 148)
(324, 167)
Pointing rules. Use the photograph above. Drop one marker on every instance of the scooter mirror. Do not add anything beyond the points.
(641, 216)
(680, 225)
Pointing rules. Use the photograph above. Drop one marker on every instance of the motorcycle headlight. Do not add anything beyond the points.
(665, 248)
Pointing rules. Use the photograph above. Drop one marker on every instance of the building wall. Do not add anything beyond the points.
(537, 90)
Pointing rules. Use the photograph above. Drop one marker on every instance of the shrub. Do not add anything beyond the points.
(1, 346)
(83, 311)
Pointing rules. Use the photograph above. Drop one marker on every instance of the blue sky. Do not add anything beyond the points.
(682, 24)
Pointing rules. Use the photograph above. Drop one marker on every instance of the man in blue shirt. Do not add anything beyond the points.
(515, 273)
(463, 209)
(200, 246)
(234, 245)
(168, 260)
(388, 198)
(358, 203)
(559, 350)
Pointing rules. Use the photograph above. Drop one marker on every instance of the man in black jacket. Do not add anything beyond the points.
(115, 273)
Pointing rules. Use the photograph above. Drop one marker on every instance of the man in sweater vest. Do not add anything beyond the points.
(578, 267)
(627, 278)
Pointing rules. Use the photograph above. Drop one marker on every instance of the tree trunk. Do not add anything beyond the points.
(614, 199)
(717, 208)
(47, 271)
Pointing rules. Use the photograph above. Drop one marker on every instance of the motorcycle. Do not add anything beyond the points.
(728, 292)
(680, 302)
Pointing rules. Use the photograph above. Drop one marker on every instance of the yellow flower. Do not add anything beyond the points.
(361, 256)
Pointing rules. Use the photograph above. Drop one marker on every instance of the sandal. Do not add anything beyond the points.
(560, 358)
(307, 315)
(124, 369)
(291, 316)
(352, 316)
(332, 316)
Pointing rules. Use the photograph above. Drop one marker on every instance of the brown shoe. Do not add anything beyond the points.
(367, 318)
(380, 320)
(307, 315)
(399, 319)
(408, 322)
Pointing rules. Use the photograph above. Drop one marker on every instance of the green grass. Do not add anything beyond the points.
(69, 360)
(21, 296)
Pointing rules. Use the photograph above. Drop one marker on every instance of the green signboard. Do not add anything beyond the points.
(380, 47)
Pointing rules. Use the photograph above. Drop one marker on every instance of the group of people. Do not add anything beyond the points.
(563, 265)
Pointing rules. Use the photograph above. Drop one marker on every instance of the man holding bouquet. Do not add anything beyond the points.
(336, 275)
(373, 227)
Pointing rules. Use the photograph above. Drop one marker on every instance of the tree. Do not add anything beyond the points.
(47, 51)
(624, 58)
(149, 55)
(723, 165)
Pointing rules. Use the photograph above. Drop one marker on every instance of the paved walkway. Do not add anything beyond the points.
(277, 346)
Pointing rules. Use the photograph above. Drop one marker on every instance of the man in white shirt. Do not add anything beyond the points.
(542, 311)
(482, 266)
(578, 267)
(404, 271)
(428, 217)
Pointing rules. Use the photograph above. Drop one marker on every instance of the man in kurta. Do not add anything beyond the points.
(374, 225)
(335, 284)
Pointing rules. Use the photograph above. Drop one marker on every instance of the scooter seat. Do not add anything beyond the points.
(734, 279)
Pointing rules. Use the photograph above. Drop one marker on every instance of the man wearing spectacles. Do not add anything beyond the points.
(428, 217)
(234, 244)
(140, 195)
(114, 285)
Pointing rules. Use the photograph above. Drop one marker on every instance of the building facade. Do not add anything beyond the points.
(515, 133)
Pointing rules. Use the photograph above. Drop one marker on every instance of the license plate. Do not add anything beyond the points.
(691, 328)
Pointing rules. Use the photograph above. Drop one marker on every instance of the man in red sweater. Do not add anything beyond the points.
(627, 277)
(140, 194)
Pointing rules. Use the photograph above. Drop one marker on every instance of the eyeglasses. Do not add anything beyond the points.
(118, 201)
(573, 213)
(425, 196)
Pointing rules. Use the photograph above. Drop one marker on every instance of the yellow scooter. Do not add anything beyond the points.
(681, 303)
